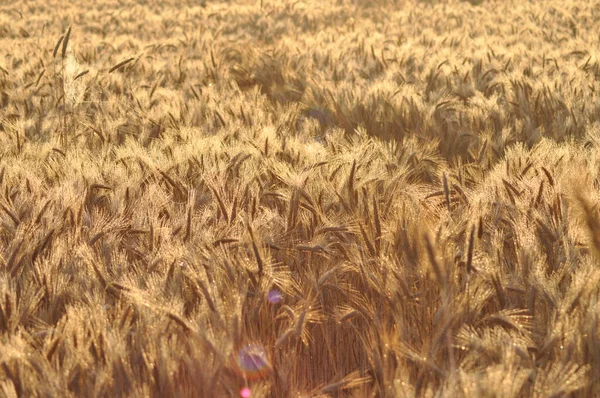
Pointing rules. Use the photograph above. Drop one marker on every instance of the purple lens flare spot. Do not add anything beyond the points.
(251, 362)
(274, 296)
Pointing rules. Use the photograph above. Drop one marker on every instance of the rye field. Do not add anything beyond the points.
(312, 198)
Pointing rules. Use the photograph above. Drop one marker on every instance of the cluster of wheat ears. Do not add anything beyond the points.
(305, 198)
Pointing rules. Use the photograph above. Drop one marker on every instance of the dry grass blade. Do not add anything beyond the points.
(12, 262)
(188, 225)
(179, 321)
(446, 191)
(120, 65)
(221, 204)
(206, 295)
(37, 81)
(12, 215)
(38, 218)
(257, 256)
(538, 197)
(42, 246)
(377, 223)
(592, 221)
(470, 267)
(81, 74)
(285, 336)
(293, 210)
(57, 46)
(351, 189)
(548, 176)
(367, 241)
(65, 43)
(437, 269)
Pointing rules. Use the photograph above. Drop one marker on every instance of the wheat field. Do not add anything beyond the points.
(312, 198)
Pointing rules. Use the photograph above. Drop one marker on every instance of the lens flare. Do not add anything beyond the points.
(274, 296)
(245, 393)
(251, 362)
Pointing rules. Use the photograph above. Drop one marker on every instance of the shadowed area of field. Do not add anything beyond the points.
(300, 199)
